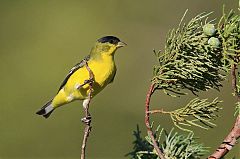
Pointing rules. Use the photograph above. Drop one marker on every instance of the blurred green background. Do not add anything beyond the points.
(41, 40)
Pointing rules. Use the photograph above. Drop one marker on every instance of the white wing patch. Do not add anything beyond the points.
(70, 98)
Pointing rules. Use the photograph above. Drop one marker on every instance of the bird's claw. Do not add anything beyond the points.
(89, 81)
(87, 120)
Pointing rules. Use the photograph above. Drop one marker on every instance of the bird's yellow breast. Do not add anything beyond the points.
(103, 72)
(103, 69)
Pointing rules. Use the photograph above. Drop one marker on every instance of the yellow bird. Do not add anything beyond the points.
(100, 61)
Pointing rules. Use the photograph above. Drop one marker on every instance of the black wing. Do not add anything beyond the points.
(74, 69)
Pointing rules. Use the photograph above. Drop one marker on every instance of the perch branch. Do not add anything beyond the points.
(147, 122)
(87, 119)
(234, 134)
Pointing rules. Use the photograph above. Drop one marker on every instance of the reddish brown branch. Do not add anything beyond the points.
(147, 122)
(234, 134)
(87, 119)
(228, 142)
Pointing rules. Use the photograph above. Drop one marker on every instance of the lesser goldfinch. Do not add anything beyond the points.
(100, 61)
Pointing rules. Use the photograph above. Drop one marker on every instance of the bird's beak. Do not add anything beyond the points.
(121, 44)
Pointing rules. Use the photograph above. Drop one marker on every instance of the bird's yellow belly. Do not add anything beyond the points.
(103, 73)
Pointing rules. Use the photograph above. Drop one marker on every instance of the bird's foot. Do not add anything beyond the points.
(87, 120)
(89, 81)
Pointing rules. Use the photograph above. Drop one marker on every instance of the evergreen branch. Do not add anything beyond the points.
(141, 146)
(147, 122)
(178, 146)
(229, 30)
(192, 60)
(198, 112)
(174, 146)
(197, 57)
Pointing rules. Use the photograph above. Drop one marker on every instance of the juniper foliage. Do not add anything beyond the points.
(198, 112)
(229, 33)
(174, 146)
(188, 61)
(197, 56)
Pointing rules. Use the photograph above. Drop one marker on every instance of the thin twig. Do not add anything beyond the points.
(234, 134)
(158, 111)
(87, 119)
(87, 131)
(147, 122)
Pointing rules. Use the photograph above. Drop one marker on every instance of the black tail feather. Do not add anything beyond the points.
(48, 114)
(43, 112)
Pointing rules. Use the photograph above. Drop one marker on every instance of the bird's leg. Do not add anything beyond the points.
(87, 118)
(86, 102)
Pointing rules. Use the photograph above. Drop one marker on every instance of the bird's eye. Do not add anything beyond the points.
(111, 41)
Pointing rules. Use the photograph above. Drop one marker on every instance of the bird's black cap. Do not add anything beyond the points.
(109, 39)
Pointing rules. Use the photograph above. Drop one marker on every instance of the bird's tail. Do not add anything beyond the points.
(46, 110)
